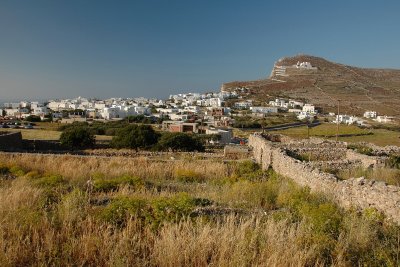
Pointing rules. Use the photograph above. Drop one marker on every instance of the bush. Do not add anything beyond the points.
(107, 185)
(17, 171)
(171, 209)
(4, 170)
(118, 211)
(179, 142)
(190, 176)
(33, 118)
(393, 162)
(50, 181)
(77, 137)
(135, 137)
(249, 170)
(154, 212)
(361, 149)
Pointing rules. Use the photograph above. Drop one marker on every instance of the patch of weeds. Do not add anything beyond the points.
(188, 176)
(154, 212)
(112, 184)
(249, 170)
(171, 209)
(32, 174)
(17, 171)
(393, 161)
(50, 181)
(118, 211)
(73, 206)
(4, 170)
(361, 149)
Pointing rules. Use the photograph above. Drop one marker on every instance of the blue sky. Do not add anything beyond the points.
(153, 48)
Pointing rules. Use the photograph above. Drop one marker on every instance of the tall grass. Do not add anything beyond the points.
(177, 213)
(388, 175)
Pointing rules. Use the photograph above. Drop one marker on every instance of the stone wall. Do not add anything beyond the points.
(357, 192)
(366, 161)
(236, 151)
(10, 141)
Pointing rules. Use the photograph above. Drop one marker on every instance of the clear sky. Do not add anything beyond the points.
(153, 48)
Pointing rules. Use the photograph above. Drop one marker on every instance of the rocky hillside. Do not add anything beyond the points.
(324, 83)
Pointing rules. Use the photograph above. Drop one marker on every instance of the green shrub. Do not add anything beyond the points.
(50, 181)
(171, 209)
(249, 170)
(361, 149)
(33, 118)
(17, 171)
(4, 170)
(393, 161)
(190, 176)
(77, 137)
(135, 137)
(121, 208)
(179, 142)
(73, 206)
(154, 212)
(112, 184)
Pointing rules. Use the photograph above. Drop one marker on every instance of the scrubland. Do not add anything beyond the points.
(68, 210)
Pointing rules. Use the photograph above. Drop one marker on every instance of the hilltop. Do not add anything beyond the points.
(325, 82)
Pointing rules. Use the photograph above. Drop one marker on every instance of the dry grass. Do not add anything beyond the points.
(387, 175)
(36, 134)
(379, 137)
(57, 221)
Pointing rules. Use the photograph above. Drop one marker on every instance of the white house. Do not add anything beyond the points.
(16, 112)
(226, 135)
(297, 111)
(305, 65)
(40, 111)
(264, 110)
(142, 110)
(370, 114)
(214, 102)
(111, 113)
(243, 105)
(347, 119)
(309, 108)
(384, 119)
(304, 115)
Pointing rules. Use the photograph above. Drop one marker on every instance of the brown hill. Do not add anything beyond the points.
(358, 89)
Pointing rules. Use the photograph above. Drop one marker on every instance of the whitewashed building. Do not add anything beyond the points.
(309, 108)
(264, 110)
(370, 114)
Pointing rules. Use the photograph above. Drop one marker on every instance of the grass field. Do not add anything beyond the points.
(379, 137)
(37, 134)
(46, 134)
(83, 211)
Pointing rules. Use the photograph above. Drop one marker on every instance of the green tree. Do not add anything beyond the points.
(77, 137)
(135, 136)
(179, 142)
(33, 118)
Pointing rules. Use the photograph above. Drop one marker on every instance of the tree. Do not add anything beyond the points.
(135, 136)
(33, 118)
(179, 142)
(77, 137)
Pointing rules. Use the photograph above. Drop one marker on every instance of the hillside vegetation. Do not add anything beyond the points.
(358, 89)
(70, 210)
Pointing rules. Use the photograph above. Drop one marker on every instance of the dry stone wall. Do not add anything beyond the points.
(10, 141)
(356, 192)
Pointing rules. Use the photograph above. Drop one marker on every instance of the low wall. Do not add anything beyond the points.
(357, 192)
(236, 151)
(366, 161)
(10, 141)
